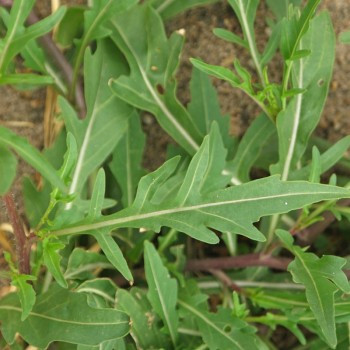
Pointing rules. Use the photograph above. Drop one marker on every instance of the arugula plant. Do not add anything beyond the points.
(102, 264)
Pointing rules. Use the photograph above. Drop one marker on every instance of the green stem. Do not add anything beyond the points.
(170, 236)
(48, 211)
(286, 77)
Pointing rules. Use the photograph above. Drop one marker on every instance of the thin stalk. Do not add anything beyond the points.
(285, 83)
(241, 261)
(167, 240)
(252, 46)
(253, 284)
(188, 331)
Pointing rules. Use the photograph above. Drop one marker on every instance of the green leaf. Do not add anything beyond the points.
(26, 293)
(17, 36)
(220, 330)
(70, 27)
(64, 316)
(52, 260)
(35, 59)
(126, 162)
(229, 76)
(117, 344)
(106, 242)
(170, 8)
(192, 210)
(153, 59)
(142, 317)
(107, 116)
(316, 169)
(204, 106)
(25, 79)
(32, 156)
(246, 12)
(217, 71)
(100, 291)
(249, 148)
(7, 170)
(321, 278)
(272, 45)
(280, 7)
(294, 28)
(230, 37)
(19, 12)
(113, 253)
(345, 37)
(327, 159)
(296, 123)
(35, 201)
(162, 290)
(82, 263)
(98, 195)
(95, 20)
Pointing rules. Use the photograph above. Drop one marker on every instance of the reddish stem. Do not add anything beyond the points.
(23, 243)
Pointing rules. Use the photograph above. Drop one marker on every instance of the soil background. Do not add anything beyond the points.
(23, 111)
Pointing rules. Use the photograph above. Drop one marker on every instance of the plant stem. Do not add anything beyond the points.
(251, 43)
(167, 240)
(226, 280)
(23, 243)
(286, 77)
(253, 284)
(238, 262)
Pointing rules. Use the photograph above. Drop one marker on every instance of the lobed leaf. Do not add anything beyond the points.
(81, 263)
(107, 115)
(321, 278)
(106, 242)
(142, 317)
(95, 20)
(192, 210)
(65, 316)
(221, 330)
(26, 293)
(153, 59)
(162, 290)
(52, 260)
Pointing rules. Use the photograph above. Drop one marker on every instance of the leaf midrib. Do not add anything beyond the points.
(313, 283)
(162, 302)
(191, 142)
(209, 322)
(122, 220)
(60, 320)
